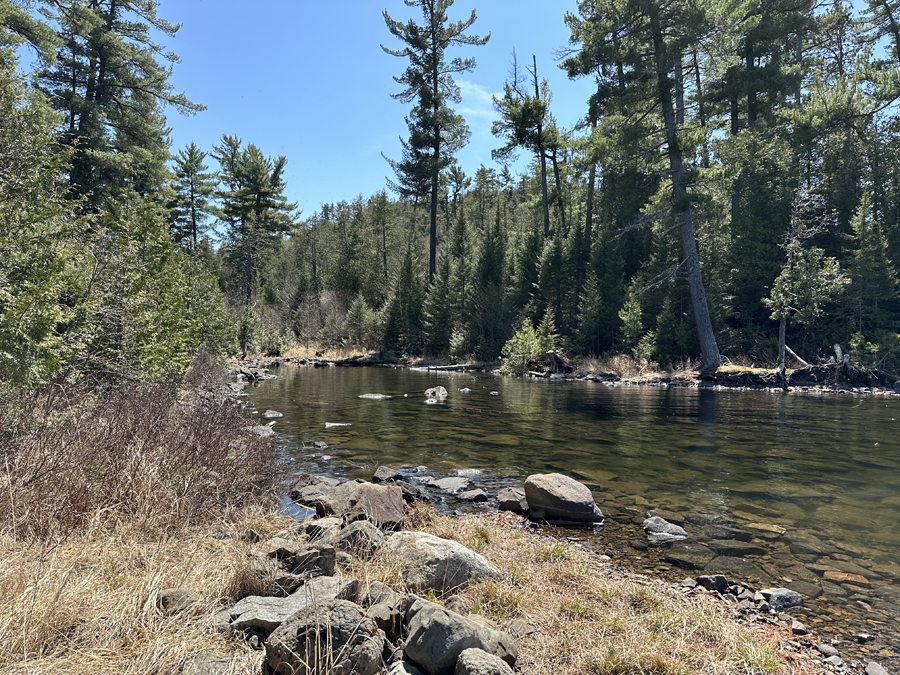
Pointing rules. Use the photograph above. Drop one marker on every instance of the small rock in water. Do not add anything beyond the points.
(474, 496)
(384, 473)
(464, 390)
(374, 397)
(784, 598)
(436, 392)
(430, 401)
(875, 669)
(835, 661)
(863, 638)
(798, 628)
(827, 650)
(659, 530)
(451, 484)
(272, 413)
(332, 425)
(263, 431)
(469, 472)
(495, 393)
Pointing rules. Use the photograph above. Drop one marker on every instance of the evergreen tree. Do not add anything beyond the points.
(193, 185)
(110, 87)
(644, 41)
(403, 310)
(438, 310)
(254, 207)
(436, 132)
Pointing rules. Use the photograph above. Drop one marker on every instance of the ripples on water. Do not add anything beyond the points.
(827, 466)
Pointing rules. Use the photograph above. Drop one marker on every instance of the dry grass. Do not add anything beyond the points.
(89, 604)
(624, 366)
(573, 613)
(106, 502)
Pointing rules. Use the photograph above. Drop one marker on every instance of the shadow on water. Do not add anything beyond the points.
(812, 483)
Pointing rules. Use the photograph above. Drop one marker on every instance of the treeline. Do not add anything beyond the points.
(733, 178)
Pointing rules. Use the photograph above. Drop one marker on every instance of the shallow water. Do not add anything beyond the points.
(820, 466)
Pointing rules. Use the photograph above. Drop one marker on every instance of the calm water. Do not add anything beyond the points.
(826, 466)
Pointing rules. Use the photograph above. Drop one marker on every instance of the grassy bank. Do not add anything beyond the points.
(109, 499)
(108, 502)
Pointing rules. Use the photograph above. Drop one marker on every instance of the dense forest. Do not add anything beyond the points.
(735, 178)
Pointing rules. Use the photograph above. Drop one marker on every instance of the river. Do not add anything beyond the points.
(780, 489)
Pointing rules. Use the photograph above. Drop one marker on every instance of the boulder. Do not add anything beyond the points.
(561, 497)
(429, 562)
(312, 561)
(383, 505)
(474, 496)
(659, 530)
(438, 636)
(387, 609)
(412, 493)
(478, 662)
(512, 499)
(360, 539)
(309, 489)
(783, 598)
(322, 529)
(384, 473)
(436, 392)
(336, 501)
(329, 637)
(713, 582)
(264, 615)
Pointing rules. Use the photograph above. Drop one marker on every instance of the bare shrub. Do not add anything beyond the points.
(143, 455)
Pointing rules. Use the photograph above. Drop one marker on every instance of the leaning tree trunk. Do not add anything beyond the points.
(540, 152)
(709, 350)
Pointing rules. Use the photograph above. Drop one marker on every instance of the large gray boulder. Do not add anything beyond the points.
(312, 561)
(360, 539)
(329, 637)
(561, 498)
(381, 504)
(386, 608)
(263, 614)
(429, 562)
(478, 662)
(438, 636)
(336, 501)
(308, 489)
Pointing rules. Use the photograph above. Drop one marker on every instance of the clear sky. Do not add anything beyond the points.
(310, 81)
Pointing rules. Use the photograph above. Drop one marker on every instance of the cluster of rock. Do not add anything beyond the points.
(315, 619)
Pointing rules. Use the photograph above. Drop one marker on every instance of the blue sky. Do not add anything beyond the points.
(310, 81)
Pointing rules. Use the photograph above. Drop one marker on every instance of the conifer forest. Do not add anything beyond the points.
(732, 188)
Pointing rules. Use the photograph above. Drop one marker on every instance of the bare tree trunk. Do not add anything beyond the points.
(540, 151)
(709, 350)
(559, 192)
(589, 206)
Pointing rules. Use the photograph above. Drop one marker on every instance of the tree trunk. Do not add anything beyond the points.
(559, 193)
(589, 206)
(540, 151)
(709, 350)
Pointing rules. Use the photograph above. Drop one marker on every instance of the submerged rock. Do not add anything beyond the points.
(659, 530)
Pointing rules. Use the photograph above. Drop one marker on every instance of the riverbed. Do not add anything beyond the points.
(774, 488)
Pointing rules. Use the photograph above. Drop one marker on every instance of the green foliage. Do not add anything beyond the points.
(529, 345)
(193, 186)
(361, 323)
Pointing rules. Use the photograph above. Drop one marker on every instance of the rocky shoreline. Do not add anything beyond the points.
(323, 604)
(813, 380)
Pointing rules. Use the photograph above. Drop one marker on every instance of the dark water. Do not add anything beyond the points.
(821, 470)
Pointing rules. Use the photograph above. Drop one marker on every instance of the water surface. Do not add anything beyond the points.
(826, 467)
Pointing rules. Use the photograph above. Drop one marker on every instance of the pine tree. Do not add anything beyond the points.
(644, 41)
(193, 187)
(436, 132)
(110, 87)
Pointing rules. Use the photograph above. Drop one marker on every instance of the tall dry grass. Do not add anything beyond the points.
(108, 500)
